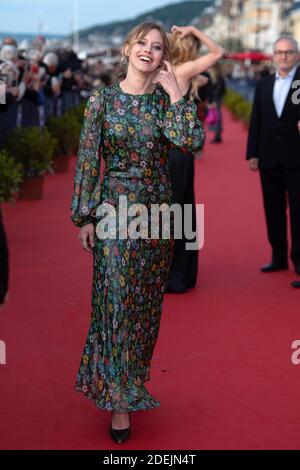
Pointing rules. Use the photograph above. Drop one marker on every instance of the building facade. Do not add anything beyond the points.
(295, 21)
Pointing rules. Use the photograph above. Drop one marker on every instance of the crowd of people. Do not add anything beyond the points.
(38, 83)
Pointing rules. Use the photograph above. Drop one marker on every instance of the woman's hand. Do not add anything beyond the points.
(168, 81)
(298, 125)
(184, 30)
(2, 305)
(253, 164)
(87, 237)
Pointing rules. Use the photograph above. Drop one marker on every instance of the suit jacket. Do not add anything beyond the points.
(272, 139)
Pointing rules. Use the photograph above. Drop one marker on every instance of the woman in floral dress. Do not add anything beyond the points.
(131, 123)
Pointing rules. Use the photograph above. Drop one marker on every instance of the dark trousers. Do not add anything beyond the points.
(219, 124)
(281, 189)
(4, 270)
(183, 271)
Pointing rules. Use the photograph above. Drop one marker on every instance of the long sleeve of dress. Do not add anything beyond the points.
(182, 126)
(86, 192)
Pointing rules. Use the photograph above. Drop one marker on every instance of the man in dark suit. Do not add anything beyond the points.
(274, 149)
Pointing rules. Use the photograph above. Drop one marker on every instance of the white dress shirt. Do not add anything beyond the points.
(281, 89)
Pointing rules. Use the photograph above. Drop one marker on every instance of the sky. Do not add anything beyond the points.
(55, 16)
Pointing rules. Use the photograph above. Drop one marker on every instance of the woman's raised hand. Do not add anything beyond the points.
(168, 81)
(184, 30)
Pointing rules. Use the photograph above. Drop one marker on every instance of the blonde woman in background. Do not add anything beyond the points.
(188, 64)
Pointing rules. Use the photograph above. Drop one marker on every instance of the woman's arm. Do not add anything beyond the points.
(86, 192)
(194, 67)
(180, 122)
(182, 127)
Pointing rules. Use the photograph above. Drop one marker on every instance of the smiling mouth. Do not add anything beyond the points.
(145, 59)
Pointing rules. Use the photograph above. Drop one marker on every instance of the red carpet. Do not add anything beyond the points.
(222, 368)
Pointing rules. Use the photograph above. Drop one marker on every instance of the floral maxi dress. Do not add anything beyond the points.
(132, 133)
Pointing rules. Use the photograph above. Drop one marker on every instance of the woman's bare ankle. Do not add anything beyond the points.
(120, 420)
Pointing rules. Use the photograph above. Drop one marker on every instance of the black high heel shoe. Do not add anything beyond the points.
(120, 435)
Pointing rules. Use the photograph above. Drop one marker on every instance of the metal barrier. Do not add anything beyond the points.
(26, 113)
(8, 121)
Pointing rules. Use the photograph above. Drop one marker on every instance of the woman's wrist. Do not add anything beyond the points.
(197, 33)
(195, 30)
(176, 96)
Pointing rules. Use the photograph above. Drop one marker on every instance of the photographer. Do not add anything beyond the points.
(9, 74)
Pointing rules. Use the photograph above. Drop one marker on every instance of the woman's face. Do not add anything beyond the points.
(147, 53)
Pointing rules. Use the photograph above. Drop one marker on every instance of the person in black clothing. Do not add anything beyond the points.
(296, 284)
(274, 148)
(9, 78)
(218, 92)
(188, 64)
(205, 96)
(4, 268)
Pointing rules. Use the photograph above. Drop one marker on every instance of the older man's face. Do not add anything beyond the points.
(285, 55)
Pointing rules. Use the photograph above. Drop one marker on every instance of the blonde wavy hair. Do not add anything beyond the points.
(183, 50)
(139, 32)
